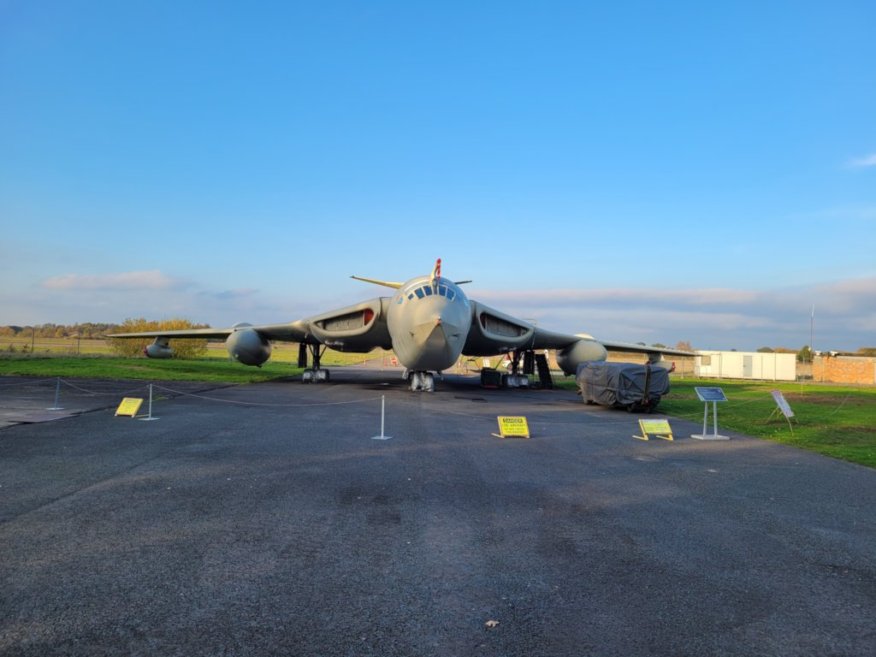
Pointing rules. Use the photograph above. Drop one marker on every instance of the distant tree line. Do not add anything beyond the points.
(188, 348)
(88, 330)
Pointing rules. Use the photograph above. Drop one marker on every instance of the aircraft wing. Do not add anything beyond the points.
(572, 350)
(628, 347)
(291, 332)
(205, 333)
(543, 339)
(360, 328)
(493, 331)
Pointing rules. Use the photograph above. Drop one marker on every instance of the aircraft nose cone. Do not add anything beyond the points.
(439, 344)
(431, 334)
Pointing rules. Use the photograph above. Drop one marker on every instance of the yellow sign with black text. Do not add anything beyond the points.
(512, 427)
(129, 406)
(656, 428)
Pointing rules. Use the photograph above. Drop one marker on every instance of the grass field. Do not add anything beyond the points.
(110, 367)
(832, 420)
(21, 343)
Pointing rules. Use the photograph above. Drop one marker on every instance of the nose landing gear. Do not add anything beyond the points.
(421, 381)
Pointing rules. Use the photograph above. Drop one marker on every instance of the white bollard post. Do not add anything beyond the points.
(149, 417)
(55, 406)
(382, 436)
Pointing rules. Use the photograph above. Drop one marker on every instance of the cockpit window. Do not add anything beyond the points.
(429, 290)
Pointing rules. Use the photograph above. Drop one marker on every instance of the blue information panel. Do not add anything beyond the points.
(710, 394)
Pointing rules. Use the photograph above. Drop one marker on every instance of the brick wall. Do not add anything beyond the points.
(844, 369)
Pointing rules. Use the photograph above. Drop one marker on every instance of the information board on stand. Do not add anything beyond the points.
(710, 395)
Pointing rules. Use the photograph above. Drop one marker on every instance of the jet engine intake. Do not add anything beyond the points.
(248, 346)
(582, 351)
(159, 349)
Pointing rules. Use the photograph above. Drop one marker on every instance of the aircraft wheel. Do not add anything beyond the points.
(422, 381)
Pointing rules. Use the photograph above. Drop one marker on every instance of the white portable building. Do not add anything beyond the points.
(746, 365)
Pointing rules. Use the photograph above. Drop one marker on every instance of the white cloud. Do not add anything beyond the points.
(132, 280)
(862, 162)
(713, 317)
(620, 296)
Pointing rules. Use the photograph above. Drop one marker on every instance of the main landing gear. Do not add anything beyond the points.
(514, 379)
(315, 374)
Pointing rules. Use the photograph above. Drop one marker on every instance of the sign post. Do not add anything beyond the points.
(149, 417)
(782, 406)
(55, 407)
(382, 435)
(713, 395)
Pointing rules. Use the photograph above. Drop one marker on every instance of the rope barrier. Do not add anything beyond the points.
(243, 403)
(29, 382)
(98, 394)
(56, 379)
(842, 403)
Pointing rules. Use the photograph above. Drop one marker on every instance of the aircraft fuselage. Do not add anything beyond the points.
(429, 320)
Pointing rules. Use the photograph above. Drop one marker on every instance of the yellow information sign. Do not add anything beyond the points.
(129, 406)
(656, 428)
(512, 427)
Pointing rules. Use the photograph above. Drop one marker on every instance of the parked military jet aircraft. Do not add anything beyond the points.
(428, 323)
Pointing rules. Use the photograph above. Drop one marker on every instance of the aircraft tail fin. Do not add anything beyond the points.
(436, 274)
(391, 284)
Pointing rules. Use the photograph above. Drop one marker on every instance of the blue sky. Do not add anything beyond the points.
(640, 171)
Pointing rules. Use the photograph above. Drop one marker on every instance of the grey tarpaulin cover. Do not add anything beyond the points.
(624, 385)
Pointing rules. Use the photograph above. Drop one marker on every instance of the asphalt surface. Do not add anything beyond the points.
(266, 520)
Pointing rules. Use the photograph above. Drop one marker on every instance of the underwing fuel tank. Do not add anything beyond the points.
(248, 346)
(159, 349)
(584, 350)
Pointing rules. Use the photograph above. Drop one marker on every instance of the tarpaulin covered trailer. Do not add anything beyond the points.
(622, 385)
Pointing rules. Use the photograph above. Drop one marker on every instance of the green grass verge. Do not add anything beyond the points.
(833, 420)
(105, 367)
